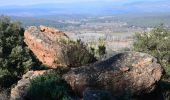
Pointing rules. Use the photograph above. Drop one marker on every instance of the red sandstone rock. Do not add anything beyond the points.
(46, 44)
(52, 33)
(42, 43)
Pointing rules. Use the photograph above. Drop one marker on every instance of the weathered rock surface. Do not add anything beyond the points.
(97, 95)
(42, 41)
(20, 90)
(48, 44)
(129, 72)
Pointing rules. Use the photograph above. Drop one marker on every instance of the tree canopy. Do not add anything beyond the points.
(15, 57)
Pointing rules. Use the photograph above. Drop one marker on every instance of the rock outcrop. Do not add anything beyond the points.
(97, 95)
(20, 90)
(46, 44)
(41, 40)
(129, 72)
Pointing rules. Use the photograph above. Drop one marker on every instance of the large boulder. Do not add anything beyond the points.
(125, 73)
(54, 49)
(20, 90)
(97, 95)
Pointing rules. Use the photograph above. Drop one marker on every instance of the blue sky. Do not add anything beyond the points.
(34, 2)
(35, 7)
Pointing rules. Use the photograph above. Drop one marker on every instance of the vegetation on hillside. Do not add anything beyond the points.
(98, 49)
(15, 58)
(49, 86)
(156, 43)
(75, 52)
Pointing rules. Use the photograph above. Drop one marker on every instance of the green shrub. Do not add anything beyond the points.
(15, 58)
(49, 86)
(75, 53)
(98, 49)
(4, 94)
(155, 43)
(101, 50)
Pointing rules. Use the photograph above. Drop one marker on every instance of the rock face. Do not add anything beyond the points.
(129, 72)
(20, 90)
(41, 40)
(97, 95)
(51, 48)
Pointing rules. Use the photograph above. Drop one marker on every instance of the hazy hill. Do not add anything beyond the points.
(63, 20)
(93, 7)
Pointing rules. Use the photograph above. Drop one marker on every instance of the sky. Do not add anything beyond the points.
(34, 2)
(35, 7)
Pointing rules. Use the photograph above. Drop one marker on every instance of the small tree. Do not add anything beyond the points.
(15, 58)
(156, 43)
(98, 49)
(74, 53)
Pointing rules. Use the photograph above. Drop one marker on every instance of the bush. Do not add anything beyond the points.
(15, 58)
(155, 43)
(98, 49)
(75, 53)
(4, 94)
(49, 86)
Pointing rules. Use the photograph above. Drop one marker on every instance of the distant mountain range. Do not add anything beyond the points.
(91, 8)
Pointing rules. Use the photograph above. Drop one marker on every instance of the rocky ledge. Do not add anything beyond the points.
(129, 72)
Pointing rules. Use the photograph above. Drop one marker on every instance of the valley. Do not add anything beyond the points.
(115, 30)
